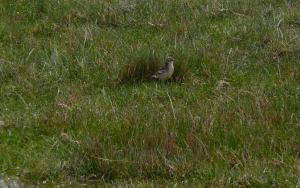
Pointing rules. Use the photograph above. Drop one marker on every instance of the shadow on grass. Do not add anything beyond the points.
(140, 69)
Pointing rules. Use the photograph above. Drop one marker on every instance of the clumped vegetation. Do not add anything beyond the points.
(77, 104)
(141, 69)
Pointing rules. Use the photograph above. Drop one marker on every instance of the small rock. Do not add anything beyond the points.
(222, 84)
(126, 6)
(10, 183)
(2, 61)
(2, 124)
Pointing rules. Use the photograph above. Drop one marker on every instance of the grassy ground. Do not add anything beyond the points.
(76, 104)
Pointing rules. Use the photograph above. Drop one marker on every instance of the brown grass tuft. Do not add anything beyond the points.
(138, 70)
(182, 72)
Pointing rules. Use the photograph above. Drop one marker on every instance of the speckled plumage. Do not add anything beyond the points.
(166, 71)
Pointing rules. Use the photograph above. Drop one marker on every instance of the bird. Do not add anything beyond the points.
(166, 71)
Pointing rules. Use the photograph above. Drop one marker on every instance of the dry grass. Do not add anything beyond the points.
(139, 70)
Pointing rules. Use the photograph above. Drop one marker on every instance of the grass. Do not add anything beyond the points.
(77, 105)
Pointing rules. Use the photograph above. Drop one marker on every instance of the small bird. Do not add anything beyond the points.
(166, 71)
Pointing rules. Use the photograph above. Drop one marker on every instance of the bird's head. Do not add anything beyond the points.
(169, 60)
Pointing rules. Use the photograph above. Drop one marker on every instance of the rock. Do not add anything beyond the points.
(2, 124)
(10, 183)
(223, 84)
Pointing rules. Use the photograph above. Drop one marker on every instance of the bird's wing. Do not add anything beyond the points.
(161, 71)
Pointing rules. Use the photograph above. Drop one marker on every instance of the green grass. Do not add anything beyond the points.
(77, 103)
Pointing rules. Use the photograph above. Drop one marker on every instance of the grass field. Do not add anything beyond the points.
(77, 105)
